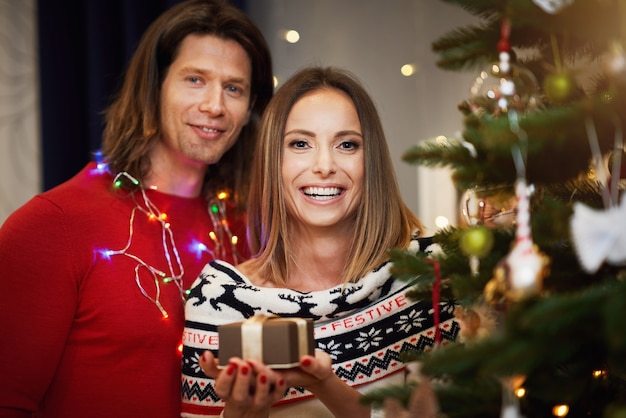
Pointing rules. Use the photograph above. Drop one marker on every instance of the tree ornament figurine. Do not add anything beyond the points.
(524, 268)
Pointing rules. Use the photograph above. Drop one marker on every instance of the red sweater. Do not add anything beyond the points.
(78, 338)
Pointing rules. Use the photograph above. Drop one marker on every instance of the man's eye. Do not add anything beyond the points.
(235, 91)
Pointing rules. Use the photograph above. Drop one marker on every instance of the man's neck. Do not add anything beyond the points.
(177, 184)
(175, 177)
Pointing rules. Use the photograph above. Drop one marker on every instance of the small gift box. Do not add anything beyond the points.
(276, 341)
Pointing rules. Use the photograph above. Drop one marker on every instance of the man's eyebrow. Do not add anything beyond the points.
(206, 72)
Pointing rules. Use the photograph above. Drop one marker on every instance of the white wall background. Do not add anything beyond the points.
(372, 38)
(19, 118)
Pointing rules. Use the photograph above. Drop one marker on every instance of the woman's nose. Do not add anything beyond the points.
(325, 163)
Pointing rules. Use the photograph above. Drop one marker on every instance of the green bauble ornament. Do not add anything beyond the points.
(476, 241)
(559, 87)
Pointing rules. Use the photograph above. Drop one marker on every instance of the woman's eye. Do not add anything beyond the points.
(298, 144)
(349, 145)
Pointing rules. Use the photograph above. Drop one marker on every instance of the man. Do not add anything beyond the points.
(93, 273)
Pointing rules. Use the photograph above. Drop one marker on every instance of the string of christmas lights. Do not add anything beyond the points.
(175, 270)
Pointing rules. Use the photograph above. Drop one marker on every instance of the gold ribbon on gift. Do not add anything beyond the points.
(252, 336)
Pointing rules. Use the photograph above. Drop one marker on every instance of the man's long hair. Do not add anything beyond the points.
(133, 121)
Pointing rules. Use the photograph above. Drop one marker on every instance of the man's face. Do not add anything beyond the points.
(205, 100)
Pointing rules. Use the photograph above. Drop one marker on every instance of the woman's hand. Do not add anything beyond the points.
(313, 371)
(249, 388)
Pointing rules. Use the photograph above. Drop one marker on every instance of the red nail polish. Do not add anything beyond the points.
(205, 356)
(306, 362)
(244, 370)
(230, 370)
(263, 379)
(280, 382)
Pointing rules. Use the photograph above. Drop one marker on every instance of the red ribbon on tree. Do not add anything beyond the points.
(436, 297)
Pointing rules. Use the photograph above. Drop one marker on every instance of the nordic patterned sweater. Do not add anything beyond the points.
(363, 327)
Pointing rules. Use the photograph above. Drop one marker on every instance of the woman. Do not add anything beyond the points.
(324, 208)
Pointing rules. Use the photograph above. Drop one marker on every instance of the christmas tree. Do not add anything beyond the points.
(537, 261)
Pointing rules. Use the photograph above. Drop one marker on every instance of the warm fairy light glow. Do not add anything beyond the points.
(154, 216)
(213, 236)
(292, 36)
(408, 70)
(180, 348)
(479, 82)
(520, 392)
(599, 373)
(234, 240)
(222, 195)
(560, 410)
(441, 221)
(591, 174)
(441, 140)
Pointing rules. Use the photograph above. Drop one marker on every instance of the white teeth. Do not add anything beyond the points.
(322, 193)
(208, 129)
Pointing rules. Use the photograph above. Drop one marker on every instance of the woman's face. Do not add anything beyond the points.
(323, 160)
